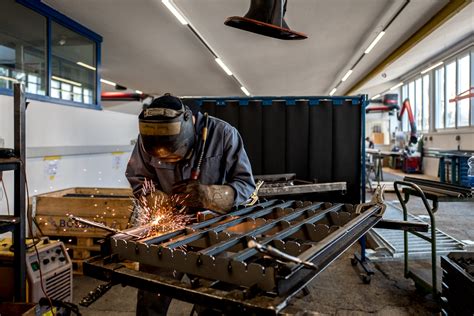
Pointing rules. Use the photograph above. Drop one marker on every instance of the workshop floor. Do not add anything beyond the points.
(336, 291)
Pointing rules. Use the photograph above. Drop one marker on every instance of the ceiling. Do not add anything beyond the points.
(146, 48)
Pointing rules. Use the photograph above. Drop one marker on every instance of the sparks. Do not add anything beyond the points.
(159, 212)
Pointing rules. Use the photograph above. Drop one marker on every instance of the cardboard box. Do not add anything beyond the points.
(378, 138)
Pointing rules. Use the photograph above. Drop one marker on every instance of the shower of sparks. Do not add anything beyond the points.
(159, 212)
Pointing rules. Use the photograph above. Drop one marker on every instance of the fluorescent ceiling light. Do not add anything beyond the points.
(396, 86)
(110, 83)
(432, 67)
(375, 97)
(8, 78)
(223, 66)
(175, 11)
(247, 93)
(332, 92)
(346, 75)
(138, 91)
(86, 65)
(67, 81)
(374, 42)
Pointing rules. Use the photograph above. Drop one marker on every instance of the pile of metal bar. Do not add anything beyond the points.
(287, 184)
(441, 188)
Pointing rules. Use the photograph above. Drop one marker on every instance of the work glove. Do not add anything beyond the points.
(191, 193)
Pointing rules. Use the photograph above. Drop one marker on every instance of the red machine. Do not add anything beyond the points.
(411, 164)
(389, 102)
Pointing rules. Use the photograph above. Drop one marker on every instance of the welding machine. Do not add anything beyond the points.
(55, 265)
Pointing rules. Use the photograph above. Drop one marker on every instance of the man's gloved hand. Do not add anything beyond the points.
(218, 198)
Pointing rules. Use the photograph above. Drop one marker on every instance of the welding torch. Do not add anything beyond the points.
(196, 172)
(101, 226)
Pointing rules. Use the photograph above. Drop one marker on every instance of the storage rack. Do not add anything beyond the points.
(16, 222)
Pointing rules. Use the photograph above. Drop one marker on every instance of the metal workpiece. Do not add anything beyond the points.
(287, 184)
(251, 261)
(288, 189)
(217, 249)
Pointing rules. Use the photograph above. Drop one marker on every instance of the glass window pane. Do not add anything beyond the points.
(405, 117)
(439, 94)
(463, 85)
(426, 103)
(73, 61)
(450, 93)
(418, 104)
(22, 47)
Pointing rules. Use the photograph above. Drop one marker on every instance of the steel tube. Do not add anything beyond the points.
(247, 253)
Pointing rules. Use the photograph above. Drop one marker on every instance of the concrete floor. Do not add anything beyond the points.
(336, 291)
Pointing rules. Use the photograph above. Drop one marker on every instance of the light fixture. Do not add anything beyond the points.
(8, 78)
(375, 97)
(138, 91)
(223, 66)
(346, 75)
(80, 63)
(175, 11)
(332, 92)
(110, 83)
(247, 93)
(396, 86)
(67, 81)
(432, 67)
(374, 42)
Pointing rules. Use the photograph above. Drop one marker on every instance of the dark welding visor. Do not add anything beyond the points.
(167, 134)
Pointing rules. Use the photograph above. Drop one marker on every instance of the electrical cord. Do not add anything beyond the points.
(5, 194)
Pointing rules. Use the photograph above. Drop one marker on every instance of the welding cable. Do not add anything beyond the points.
(197, 171)
(6, 195)
(30, 226)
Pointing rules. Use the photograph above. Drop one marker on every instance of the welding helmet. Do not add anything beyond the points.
(167, 129)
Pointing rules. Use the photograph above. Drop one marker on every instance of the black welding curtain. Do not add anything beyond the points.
(317, 142)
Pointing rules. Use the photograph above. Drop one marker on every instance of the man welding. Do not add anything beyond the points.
(195, 156)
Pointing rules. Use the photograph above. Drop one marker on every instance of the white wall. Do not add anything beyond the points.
(102, 137)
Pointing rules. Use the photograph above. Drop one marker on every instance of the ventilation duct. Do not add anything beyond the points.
(266, 17)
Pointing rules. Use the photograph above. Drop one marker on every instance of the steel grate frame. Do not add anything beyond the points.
(217, 249)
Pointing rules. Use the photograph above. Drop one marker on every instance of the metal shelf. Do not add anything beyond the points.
(9, 164)
(17, 222)
(8, 223)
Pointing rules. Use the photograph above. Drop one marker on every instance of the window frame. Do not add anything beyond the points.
(469, 51)
(52, 15)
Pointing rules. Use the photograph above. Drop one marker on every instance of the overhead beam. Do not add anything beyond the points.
(443, 15)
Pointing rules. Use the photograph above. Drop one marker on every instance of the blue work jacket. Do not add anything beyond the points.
(225, 162)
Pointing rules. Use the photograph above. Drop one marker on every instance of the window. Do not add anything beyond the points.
(439, 97)
(450, 94)
(51, 54)
(463, 85)
(73, 64)
(426, 103)
(22, 47)
(418, 104)
(405, 126)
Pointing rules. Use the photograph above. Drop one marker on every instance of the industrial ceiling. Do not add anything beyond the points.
(146, 48)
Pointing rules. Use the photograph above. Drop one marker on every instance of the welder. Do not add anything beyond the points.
(192, 155)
